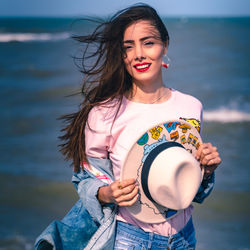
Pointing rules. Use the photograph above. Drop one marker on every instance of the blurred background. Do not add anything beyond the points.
(210, 56)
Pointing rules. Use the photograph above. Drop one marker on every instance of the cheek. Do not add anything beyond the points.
(156, 53)
(128, 64)
(156, 56)
(128, 58)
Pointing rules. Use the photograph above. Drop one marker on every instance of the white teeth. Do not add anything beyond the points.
(142, 66)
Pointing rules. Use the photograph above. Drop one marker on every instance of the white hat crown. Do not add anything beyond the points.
(172, 176)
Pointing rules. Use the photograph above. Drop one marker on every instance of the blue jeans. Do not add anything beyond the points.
(131, 237)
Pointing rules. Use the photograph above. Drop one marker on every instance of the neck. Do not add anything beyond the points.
(149, 94)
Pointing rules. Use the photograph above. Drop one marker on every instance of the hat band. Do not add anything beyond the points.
(148, 162)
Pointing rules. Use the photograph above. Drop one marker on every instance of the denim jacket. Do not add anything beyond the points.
(89, 225)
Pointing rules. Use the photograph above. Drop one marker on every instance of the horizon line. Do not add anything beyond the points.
(105, 16)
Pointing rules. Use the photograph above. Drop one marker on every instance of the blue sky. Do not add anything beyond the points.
(106, 7)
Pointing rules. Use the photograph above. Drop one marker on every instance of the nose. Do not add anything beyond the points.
(139, 53)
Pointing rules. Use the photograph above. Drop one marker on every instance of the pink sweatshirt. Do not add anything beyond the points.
(133, 119)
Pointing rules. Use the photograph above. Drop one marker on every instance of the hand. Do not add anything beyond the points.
(122, 193)
(209, 158)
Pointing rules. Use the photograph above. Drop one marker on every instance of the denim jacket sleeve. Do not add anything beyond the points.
(205, 189)
(87, 183)
(87, 187)
(83, 221)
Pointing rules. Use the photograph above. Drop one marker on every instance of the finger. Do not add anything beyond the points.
(122, 192)
(206, 158)
(128, 197)
(212, 165)
(127, 182)
(129, 203)
(128, 189)
(121, 184)
(201, 149)
(115, 185)
(198, 152)
(115, 189)
(207, 152)
(214, 161)
(120, 189)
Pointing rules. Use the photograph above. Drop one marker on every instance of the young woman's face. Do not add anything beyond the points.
(143, 52)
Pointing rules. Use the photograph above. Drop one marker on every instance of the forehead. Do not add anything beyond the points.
(141, 28)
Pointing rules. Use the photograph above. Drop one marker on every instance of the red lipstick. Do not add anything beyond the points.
(142, 67)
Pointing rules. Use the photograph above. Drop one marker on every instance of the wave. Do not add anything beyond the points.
(226, 115)
(31, 37)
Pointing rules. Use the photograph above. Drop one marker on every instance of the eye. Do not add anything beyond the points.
(149, 43)
(127, 47)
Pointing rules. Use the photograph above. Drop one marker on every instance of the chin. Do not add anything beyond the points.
(147, 80)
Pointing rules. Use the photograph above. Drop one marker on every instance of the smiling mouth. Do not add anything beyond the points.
(142, 67)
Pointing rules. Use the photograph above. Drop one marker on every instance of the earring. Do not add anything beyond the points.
(165, 64)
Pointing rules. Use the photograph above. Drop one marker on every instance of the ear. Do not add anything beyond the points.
(165, 48)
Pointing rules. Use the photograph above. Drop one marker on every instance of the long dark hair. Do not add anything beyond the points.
(106, 79)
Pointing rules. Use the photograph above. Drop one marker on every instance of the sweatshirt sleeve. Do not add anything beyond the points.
(207, 184)
(96, 134)
(205, 189)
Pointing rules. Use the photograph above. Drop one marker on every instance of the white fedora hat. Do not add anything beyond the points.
(162, 162)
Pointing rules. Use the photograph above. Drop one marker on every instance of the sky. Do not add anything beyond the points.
(107, 7)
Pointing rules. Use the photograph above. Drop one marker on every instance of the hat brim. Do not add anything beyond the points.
(179, 131)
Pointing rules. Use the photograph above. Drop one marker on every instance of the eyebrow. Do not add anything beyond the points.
(142, 39)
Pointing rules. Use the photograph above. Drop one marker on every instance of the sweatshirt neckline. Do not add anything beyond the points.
(125, 99)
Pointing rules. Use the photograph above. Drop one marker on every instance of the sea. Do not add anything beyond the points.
(40, 80)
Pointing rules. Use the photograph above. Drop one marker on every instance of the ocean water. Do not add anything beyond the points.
(210, 59)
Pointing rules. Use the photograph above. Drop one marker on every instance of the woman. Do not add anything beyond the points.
(124, 92)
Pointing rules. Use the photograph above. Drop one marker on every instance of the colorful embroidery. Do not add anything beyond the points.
(156, 132)
(197, 145)
(180, 135)
(143, 140)
(171, 126)
(184, 127)
(174, 136)
(183, 139)
(149, 148)
(196, 123)
(194, 140)
(190, 138)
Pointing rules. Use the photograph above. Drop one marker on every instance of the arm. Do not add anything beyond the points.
(97, 145)
(87, 186)
(205, 189)
(122, 193)
(96, 148)
(209, 158)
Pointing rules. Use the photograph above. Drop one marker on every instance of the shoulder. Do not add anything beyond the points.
(102, 115)
(187, 99)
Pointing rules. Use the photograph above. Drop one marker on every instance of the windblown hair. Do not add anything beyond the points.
(106, 79)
